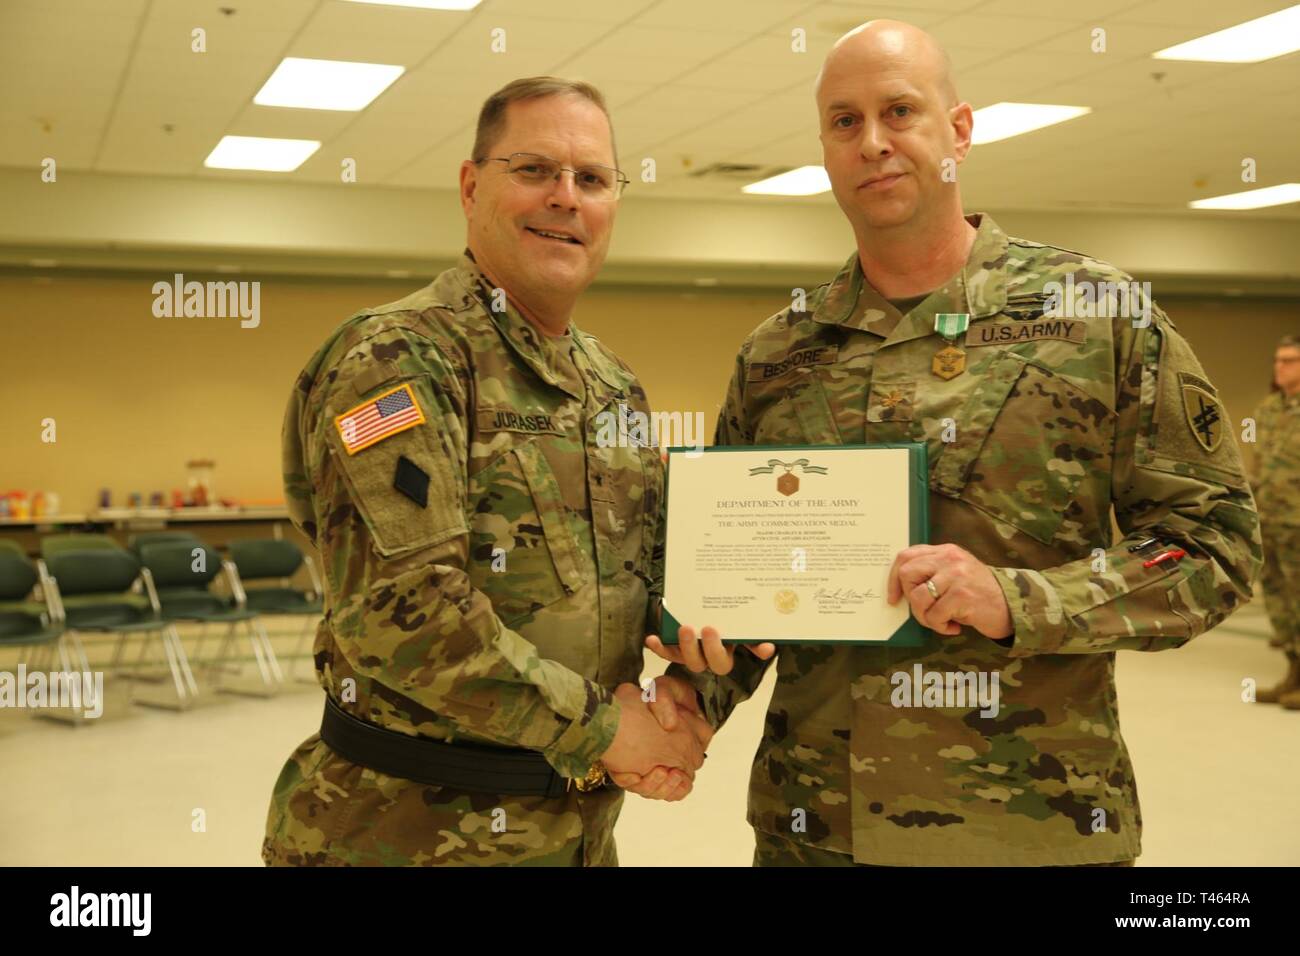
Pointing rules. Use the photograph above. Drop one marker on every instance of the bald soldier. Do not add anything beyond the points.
(490, 565)
(1036, 427)
(1276, 482)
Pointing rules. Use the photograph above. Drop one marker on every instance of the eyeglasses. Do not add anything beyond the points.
(599, 183)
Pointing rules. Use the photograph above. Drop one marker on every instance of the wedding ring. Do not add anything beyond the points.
(934, 591)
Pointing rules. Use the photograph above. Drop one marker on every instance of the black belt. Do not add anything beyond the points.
(461, 766)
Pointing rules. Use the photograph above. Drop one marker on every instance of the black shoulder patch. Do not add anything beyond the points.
(411, 480)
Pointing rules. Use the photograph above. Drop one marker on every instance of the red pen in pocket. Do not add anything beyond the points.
(1173, 555)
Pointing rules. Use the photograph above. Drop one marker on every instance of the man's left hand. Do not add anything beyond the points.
(705, 653)
(968, 593)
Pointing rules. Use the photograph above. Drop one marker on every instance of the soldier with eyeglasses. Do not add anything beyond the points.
(492, 568)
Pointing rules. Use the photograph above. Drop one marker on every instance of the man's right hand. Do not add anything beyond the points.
(658, 762)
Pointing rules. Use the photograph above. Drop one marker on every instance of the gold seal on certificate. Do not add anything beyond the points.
(793, 544)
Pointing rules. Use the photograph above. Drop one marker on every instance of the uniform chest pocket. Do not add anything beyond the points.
(1025, 444)
(625, 481)
(522, 552)
(801, 416)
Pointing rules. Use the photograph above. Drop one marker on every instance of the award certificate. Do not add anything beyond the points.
(793, 544)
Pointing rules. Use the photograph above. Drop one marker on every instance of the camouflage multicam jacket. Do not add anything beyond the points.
(1056, 421)
(1276, 465)
(488, 569)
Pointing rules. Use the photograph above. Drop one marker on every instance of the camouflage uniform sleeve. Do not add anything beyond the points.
(1166, 485)
(403, 611)
(721, 694)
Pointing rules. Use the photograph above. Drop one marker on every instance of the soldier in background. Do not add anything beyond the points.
(490, 565)
(1275, 478)
(937, 322)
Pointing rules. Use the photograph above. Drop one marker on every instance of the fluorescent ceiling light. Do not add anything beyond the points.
(427, 4)
(1004, 120)
(1252, 198)
(1249, 42)
(326, 84)
(260, 152)
(804, 181)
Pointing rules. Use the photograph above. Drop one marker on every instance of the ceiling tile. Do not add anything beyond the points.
(999, 32)
(688, 82)
(249, 16)
(921, 6)
(436, 168)
(752, 16)
(1123, 39)
(27, 140)
(667, 43)
(762, 65)
(284, 123)
(367, 33)
(605, 12)
(827, 22)
(1200, 16)
(67, 9)
(137, 144)
(1061, 9)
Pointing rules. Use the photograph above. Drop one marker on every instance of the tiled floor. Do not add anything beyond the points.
(1218, 778)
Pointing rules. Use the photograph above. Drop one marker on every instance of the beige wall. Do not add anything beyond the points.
(135, 396)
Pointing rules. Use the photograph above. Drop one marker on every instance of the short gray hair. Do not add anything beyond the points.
(492, 116)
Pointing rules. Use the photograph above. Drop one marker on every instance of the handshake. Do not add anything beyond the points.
(662, 735)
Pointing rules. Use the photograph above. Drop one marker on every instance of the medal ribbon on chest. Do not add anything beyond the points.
(950, 361)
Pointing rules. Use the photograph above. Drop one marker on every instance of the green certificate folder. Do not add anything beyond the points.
(793, 544)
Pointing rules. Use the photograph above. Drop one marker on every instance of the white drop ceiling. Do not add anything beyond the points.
(112, 86)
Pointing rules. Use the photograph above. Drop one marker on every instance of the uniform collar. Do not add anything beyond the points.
(978, 289)
(520, 334)
(526, 341)
(613, 376)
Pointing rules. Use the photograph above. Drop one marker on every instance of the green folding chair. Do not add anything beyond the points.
(139, 540)
(53, 544)
(179, 580)
(268, 559)
(92, 588)
(35, 626)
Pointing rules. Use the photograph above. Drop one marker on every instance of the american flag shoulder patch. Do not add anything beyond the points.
(381, 417)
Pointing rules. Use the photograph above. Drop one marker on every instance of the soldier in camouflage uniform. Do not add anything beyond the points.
(1035, 429)
(1276, 482)
(490, 565)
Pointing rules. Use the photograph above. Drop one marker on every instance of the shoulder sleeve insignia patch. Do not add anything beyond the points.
(1203, 411)
(381, 417)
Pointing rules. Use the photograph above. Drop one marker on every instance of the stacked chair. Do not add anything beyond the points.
(36, 626)
(87, 585)
(97, 585)
(179, 580)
